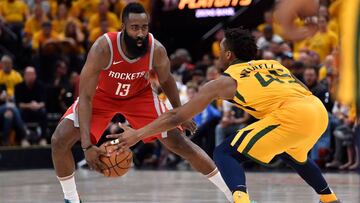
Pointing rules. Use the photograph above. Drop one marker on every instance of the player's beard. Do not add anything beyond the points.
(131, 45)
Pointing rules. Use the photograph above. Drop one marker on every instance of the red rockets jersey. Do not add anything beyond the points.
(123, 77)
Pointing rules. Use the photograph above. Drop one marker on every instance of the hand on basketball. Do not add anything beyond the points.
(92, 158)
(123, 140)
(189, 125)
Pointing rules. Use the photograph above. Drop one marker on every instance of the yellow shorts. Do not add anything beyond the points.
(294, 129)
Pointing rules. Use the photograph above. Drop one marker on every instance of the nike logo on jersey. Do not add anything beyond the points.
(117, 62)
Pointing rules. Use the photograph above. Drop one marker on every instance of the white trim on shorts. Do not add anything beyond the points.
(74, 116)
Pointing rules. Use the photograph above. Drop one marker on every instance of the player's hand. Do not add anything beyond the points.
(123, 140)
(92, 158)
(189, 125)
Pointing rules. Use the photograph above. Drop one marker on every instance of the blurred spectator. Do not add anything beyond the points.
(287, 60)
(103, 15)
(46, 44)
(8, 40)
(45, 37)
(98, 31)
(269, 20)
(319, 89)
(10, 119)
(198, 77)
(61, 19)
(344, 137)
(116, 6)
(212, 73)
(324, 41)
(268, 55)
(44, 4)
(30, 97)
(233, 119)
(8, 76)
(83, 9)
(215, 47)
(34, 24)
(73, 46)
(327, 67)
(268, 38)
(60, 91)
(181, 65)
(332, 25)
(9, 114)
(15, 13)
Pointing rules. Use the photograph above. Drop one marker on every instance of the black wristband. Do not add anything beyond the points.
(86, 148)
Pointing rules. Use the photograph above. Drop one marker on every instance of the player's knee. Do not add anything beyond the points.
(222, 150)
(59, 141)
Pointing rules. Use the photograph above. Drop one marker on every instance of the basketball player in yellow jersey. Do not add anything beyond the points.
(349, 87)
(350, 52)
(291, 119)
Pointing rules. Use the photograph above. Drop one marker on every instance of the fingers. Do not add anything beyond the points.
(113, 136)
(94, 165)
(124, 127)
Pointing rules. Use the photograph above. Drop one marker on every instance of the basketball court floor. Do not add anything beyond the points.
(41, 186)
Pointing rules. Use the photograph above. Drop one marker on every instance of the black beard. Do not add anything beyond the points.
(132, 48)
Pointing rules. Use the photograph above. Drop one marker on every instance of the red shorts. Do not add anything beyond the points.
(138, 111)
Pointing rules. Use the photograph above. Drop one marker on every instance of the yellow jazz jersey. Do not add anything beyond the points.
(350, 52)
(263, 86)
(291, 118)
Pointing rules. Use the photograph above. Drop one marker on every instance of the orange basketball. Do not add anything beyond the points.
(116, 165)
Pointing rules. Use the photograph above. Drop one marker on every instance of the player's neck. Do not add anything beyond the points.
(236, 61)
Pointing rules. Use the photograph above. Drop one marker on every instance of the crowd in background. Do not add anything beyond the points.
(43, 46)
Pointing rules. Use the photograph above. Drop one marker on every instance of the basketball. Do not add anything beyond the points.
(117, 164)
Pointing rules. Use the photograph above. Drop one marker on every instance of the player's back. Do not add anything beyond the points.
(263, 86)
(123, 77)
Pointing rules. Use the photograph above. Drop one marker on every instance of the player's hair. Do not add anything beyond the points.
(132, 8)
(241, 43)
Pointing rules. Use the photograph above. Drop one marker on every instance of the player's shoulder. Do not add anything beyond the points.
(158, 46)
(159, 49)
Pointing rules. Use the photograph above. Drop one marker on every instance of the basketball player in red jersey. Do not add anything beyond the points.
(115, 79)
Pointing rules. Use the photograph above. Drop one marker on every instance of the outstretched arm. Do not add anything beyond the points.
(224, 87)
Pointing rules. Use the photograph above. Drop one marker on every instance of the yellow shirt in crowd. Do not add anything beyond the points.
(323, 43)
(14, 12)
(10, 81)
(111, 18)
(39, 38)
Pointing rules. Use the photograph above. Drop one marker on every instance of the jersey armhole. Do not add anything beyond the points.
(226, 74)
(111, 51)
(151, 51)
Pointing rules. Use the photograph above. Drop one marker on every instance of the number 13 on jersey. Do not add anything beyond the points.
(122, 89)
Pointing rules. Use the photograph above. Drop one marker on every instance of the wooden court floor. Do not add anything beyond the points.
(41, 186)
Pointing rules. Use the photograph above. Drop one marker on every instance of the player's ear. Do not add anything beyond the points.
(228, 55)
(122, 28)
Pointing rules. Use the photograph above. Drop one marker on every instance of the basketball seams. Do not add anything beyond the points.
(110, 166)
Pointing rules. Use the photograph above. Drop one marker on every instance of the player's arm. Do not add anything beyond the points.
(97, 59)
(286, 11)
(166, 80)
(224, 88)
